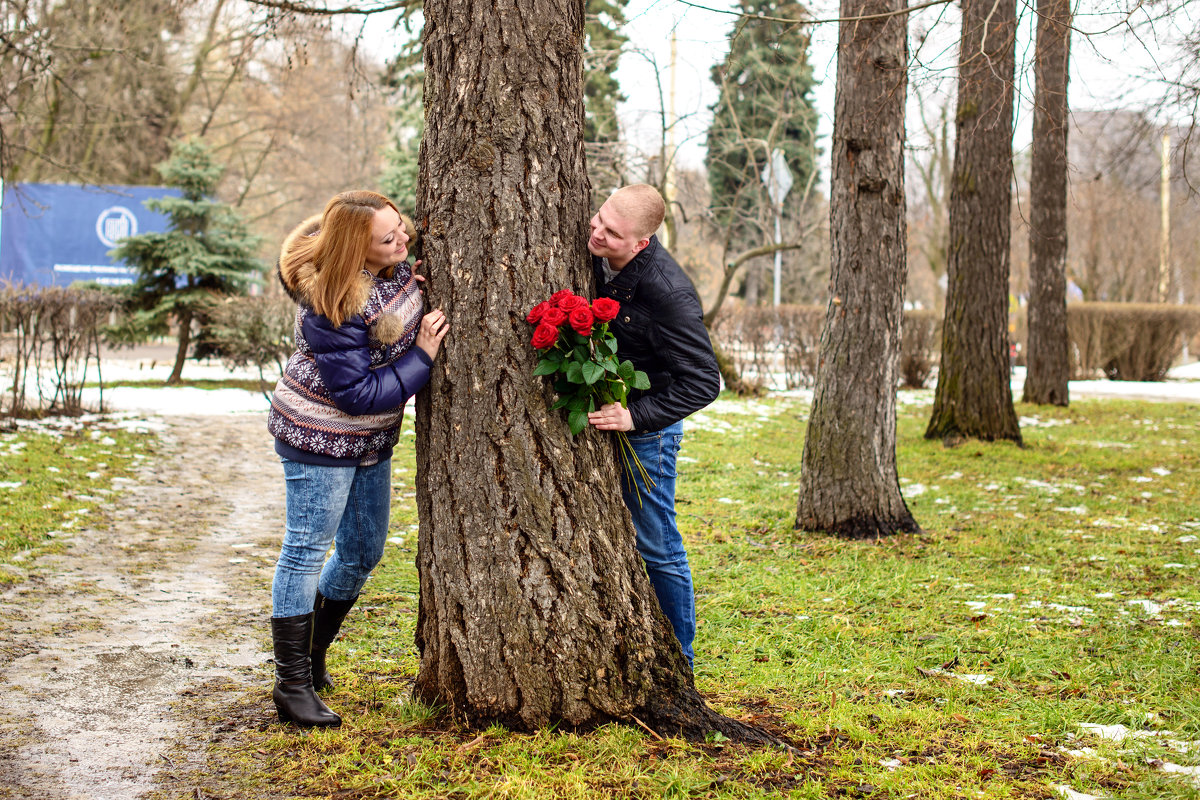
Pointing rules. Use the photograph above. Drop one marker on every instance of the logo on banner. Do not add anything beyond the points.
(114, 224)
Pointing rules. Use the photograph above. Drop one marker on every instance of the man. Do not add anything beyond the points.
(660, 328)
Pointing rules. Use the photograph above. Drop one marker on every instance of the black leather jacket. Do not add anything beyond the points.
(660, 328)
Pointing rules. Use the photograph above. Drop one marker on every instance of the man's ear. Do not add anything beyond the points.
(641, 245)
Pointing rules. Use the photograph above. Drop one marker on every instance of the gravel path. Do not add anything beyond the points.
(164, 600)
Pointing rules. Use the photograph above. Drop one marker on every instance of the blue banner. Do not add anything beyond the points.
(54, 234)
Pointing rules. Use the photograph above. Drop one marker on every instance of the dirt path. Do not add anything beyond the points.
(168, 599)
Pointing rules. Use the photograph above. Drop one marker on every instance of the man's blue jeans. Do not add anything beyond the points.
(658, 538)
(344, 506)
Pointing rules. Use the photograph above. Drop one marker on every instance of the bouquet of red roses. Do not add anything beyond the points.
(577, 349)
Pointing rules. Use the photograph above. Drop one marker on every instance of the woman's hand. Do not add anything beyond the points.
(434, 327)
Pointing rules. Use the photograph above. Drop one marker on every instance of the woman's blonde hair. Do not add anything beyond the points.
(338, 251)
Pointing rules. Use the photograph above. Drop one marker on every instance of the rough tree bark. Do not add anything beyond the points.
(1048, 357)
(534, 606)
(973, 396)
(848, 480)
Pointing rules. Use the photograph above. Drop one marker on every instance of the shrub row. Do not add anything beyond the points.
(1123, 341)
(763, 342)
(52, 336)
(1128, 341)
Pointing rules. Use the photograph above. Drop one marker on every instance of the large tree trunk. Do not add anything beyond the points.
(534, 607)
(1048, 357)
(848, 481)
(974, 395)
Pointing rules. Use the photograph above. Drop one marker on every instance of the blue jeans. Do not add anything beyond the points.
(344, 506)
(658, 538)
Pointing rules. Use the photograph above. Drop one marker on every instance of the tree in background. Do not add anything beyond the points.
(848, 480)
(602, 46)
(87, 90)
(207, 251)
(974, 396)
(765, 102)
(1049, 366)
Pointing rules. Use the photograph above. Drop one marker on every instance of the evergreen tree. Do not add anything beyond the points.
(399, 179)
(207, 251)
(765, 103)
(603, 41)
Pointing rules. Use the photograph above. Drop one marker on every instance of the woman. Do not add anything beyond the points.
(335, 415)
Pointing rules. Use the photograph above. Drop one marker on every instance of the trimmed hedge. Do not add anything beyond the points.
(1128, 341)
(1122, 341)
(52, 336)
(762, 342)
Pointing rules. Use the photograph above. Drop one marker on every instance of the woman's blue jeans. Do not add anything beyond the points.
(342, 506)
(658, 539)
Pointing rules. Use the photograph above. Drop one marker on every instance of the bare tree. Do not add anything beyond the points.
(973, 396)
(534, 606)
(848, 480)
(1048, 359)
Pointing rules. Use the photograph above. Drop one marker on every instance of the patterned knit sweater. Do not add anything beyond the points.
(341, 397)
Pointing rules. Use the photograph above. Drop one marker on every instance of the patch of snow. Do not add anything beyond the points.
(1151, 608)
(890, 763)
(1167, 766)
(913, 490)
(1162, 472)
(1070, 794)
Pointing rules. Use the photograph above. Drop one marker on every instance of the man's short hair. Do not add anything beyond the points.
(642, 204)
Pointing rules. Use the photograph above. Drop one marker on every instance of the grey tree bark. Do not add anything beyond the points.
(974, 395)
(848, 481)
(534, 605)
(1048, 358)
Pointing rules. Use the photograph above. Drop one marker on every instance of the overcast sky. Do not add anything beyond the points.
(1111, 70)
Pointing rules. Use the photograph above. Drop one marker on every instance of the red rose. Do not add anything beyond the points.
(557, 297)
(544, 336)
(572, 302)
(538, 311)
(581, 320)
(605, 309)
(554, 316)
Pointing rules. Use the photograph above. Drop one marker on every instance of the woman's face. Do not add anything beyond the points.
(388, 241)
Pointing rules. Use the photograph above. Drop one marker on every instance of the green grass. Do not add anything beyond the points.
(1034, 568)
(55, 476)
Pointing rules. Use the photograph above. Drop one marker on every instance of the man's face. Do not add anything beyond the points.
(614, 237)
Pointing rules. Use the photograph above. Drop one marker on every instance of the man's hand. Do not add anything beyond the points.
(611, 417)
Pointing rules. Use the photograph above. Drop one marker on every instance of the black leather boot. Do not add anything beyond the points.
(294, 697)
(329, 616)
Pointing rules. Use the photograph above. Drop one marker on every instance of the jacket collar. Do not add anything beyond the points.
(624, 285)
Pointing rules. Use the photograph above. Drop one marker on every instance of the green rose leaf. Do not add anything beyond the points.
(577, 421)
(592, 372)
(574, 372)
(626, 371)
(641, 380)
(561, 402)
(546, 367)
